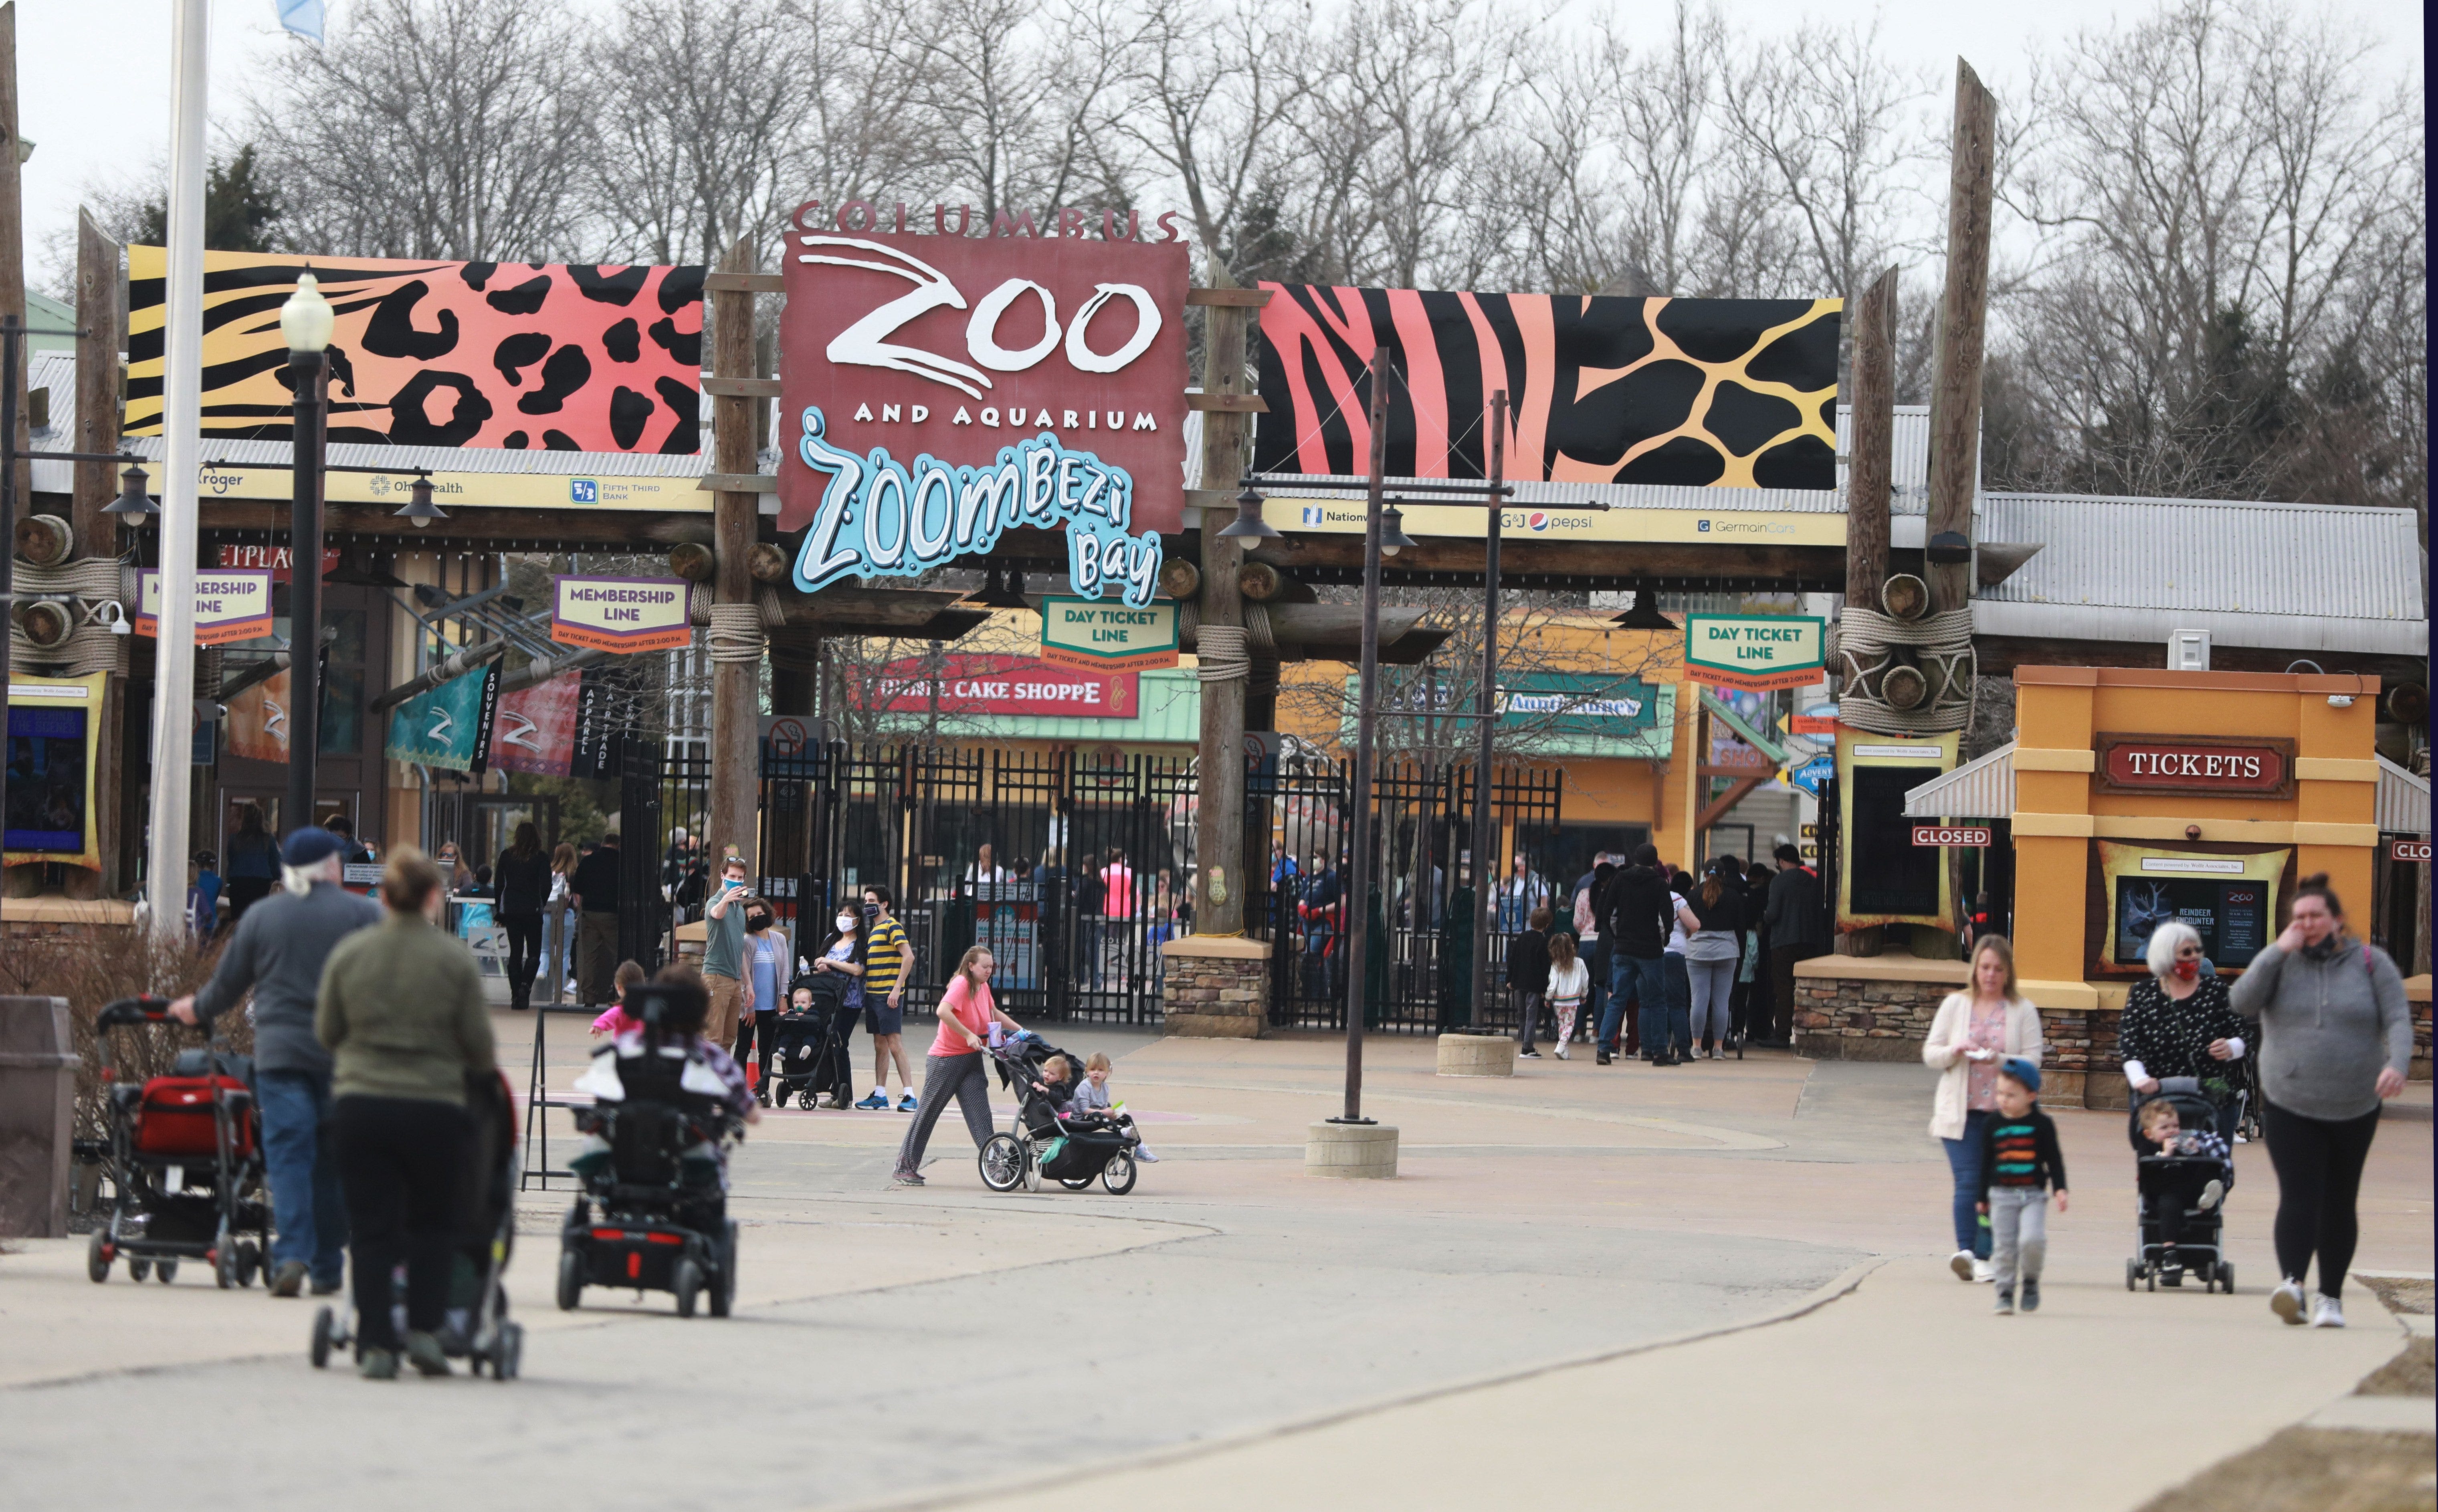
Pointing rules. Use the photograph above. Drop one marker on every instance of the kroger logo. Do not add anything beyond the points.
(583, 491)
(1312, 515)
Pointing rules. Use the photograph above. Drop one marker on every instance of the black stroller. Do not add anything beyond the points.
(812, 1056)
(477, 1328)
(2161, 1179)
(658, 1117)
(186, 1160)
(1041, 1145)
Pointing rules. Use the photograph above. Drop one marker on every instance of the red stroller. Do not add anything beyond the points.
(186, 1160)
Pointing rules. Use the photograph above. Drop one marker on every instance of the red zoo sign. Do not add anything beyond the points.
(2408, 849)
(1950, 834)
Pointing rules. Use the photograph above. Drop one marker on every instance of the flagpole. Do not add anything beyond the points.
(181, 381)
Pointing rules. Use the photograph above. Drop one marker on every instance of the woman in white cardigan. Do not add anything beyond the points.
(1973, 1034)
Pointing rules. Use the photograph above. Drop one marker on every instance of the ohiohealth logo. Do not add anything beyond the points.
(583, 491)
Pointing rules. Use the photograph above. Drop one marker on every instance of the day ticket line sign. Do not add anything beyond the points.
(1755, 651)
(1102, 637)
(622, 614)
(231, 604)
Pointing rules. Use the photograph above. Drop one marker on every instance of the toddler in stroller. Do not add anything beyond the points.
(2182, 1172)
(1047, 1138)
(665, 1103)
(815, 1030)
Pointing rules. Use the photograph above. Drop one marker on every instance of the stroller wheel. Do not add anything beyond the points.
(1073, 1184)
(249, 1262)
(2151, 1282)
(1118, 1174)
(1003, 1163)
(2132, 1274)
(323, 1329)
(2226, 1277)
(805, 1100)
(508, 1355)
(97, 1259)
(138, 1268)
(224, 1263)
(165, 1272)
(571, 1280)
(723, 1286)
(687, 1284)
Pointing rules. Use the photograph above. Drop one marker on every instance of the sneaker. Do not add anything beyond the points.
(877, 1102)
(2327, 1313)
(1535, 1055)
(2006, 1303)
(907, 1178)
(1142, 1152)
(2211, 1193)
(424, 1353)
(288, 1279)
(1983, 1273)
(1961, 1263)
(907, 1103)
(329, 1288)
(1604, 1057)
(1561, 1051)
(2031, 1296)
(377, 1364)
(2286, 1301)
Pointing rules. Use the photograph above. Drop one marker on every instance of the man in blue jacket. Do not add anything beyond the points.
(277, 951)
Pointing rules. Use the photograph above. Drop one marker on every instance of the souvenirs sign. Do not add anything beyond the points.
(230, 603)
(622, 614)
(1755, 651)
(1021, 381)
(1108, 637)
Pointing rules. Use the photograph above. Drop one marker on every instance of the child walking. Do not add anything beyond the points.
(1570, 983)
(2020, 1162)
(1527, 975)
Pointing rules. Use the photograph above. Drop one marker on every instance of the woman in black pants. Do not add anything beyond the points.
(402, 1010)
(521, 885)
(2336, 1040)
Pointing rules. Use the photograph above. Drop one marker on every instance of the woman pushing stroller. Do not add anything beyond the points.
(969, 1022)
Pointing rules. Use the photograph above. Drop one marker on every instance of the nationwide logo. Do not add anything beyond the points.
(1313, 516)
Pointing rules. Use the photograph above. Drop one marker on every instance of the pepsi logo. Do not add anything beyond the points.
(1537, 519)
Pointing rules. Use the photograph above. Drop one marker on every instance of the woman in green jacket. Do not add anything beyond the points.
(402, 1013)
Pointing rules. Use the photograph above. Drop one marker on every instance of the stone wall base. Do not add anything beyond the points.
(1350, 1149)
(1215, 986)
(1476, 1055)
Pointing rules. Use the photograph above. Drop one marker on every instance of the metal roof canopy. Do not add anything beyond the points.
(1982, 788)
(2403, 800)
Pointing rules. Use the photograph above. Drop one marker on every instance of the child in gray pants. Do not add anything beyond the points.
(2020, 1162)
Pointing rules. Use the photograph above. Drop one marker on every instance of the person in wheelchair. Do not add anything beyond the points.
(663, 1067)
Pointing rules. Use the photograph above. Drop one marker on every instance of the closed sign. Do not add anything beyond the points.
(1950, 834)
(2409, 850)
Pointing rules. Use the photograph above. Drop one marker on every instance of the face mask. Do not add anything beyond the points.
(845, 922)
(872, 910)
(2188, 970)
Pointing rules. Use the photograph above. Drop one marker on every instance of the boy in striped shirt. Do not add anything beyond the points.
(2020, 1162)
(884, 995)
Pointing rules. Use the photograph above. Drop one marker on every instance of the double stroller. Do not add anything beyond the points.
(185, 1159)
(812, 1058)
(476, 1326)
(1043, 1142)
(658, 1121)
(2163, 1180)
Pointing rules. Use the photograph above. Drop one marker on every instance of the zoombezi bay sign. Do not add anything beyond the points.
(1019, 382)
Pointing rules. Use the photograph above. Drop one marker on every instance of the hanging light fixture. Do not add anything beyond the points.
(1249, 525)
(356, 569)
(996, 594)
(132, 500)
(420, 510)
(1392, 531)
(1645, 614)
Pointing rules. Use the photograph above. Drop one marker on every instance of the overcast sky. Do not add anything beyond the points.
(109, 123)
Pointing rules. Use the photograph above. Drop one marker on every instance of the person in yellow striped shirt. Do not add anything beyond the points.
(885, 963)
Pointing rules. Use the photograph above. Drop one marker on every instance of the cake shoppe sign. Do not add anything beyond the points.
(943, 388)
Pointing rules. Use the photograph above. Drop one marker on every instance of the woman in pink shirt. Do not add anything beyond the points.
(954, 1068)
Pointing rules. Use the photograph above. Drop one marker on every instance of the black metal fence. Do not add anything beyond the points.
(1075, 868)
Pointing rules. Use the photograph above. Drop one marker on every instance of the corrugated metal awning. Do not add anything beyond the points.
(2403, 800)
(1982, 788)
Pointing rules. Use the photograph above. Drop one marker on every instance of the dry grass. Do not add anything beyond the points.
(2315, 1470)
(2404, 1293)
(2413, 1373)
(93, 966)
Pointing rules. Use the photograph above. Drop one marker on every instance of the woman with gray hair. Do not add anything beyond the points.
(2179, 1022)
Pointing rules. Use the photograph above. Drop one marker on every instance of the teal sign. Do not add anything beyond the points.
(1573, 703)
(449, 726)
(1814, 774)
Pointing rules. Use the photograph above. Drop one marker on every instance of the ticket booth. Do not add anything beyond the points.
(2143, 795)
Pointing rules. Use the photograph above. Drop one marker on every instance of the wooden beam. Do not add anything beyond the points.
(97, 387)
(1229, 297)
(739, 482)
(1963, 327)
(741, 388)
(735, 686)
(12, 237)
(1219, 882)
(724, 282)
(1871, 446)
(1717, 809)
(1228, 403)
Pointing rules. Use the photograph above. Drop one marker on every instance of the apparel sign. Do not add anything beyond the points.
(971, 684)
(622, 614)
(1105, 637)
(2150, 763)
(230, 603)
(449, 726)
(1755, 651)
(1028, 381)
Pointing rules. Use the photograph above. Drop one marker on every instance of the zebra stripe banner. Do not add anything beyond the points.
(1699, 393)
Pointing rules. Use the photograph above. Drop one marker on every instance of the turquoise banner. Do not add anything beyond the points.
(449, 726)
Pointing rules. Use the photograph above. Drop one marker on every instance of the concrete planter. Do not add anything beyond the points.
(1352, 1149)
(1476, 1055)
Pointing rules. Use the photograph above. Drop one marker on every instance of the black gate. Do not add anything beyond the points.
(1421, 917)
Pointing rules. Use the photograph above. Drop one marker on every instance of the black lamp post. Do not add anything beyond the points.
(306, 320)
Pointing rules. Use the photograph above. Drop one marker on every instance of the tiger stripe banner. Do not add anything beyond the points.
(549, 356)
(1701, 392)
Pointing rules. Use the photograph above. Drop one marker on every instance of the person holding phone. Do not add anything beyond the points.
(1975, 1033)
(723, 958)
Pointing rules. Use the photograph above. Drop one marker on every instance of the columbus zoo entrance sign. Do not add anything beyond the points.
(1025, 382)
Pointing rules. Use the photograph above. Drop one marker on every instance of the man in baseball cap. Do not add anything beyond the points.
(277, 950)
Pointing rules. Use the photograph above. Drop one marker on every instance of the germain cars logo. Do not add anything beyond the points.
(1312, 516)
(583, 491)
(1704, 527)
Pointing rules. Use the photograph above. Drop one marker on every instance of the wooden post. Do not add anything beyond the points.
(97, 393)
(735, 703)
(1220, 878)
(12, 237)
(1963, 323)
(1871, 444)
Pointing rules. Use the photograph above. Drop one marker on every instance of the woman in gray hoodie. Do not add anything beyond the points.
(2336, 1041)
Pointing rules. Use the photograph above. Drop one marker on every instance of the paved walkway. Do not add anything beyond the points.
(1498, 1320)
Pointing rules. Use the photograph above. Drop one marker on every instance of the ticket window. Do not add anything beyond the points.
(2232, 899)
(47, 757)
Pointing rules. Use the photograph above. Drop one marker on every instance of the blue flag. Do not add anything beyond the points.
(303, 17)
(449, 726)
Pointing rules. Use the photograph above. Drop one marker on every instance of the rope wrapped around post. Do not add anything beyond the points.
(1869, 645)
(737, 632)
(1224, 653)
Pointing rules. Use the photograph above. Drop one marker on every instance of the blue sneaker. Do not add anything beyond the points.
(905, 1104)
(877, 1102)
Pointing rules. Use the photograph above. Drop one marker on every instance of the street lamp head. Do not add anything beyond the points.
(306, 320)
(997, 594)
(132, 502)
(1645, 614)
(1392, 532)
(420, 510)
(1249, 525)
